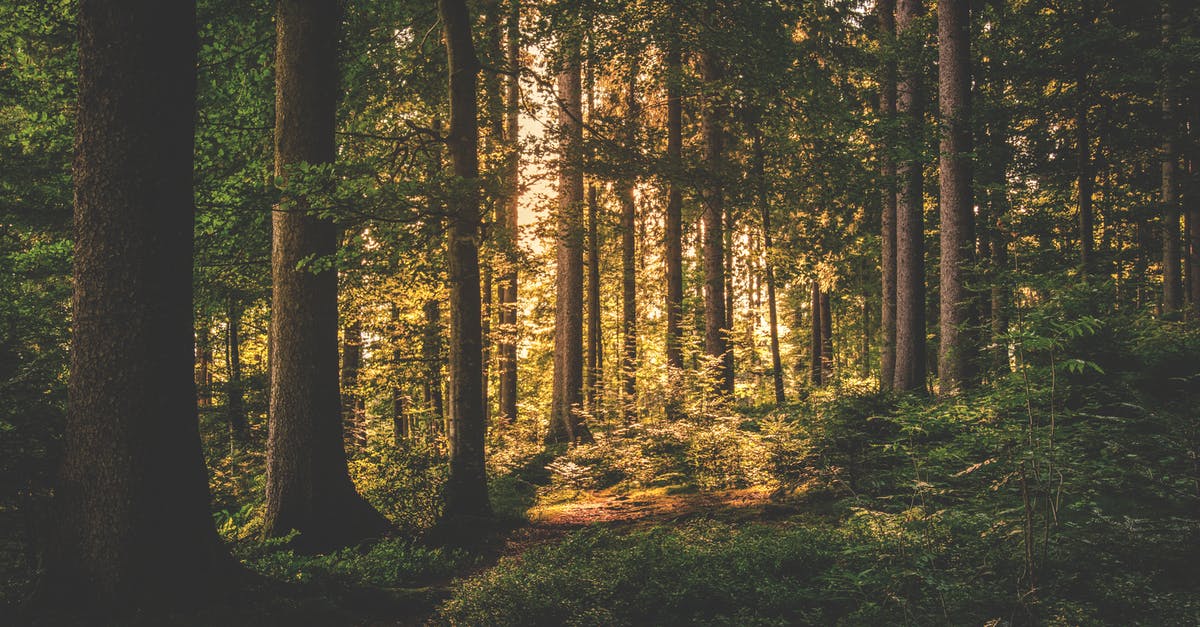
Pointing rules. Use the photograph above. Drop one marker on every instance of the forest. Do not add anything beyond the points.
(599, 312)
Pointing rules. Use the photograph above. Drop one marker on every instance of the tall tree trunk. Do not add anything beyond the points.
(716, 332)
(308, 485)
(466, 487)
(768, 265)
(673, 222)
(594, 374)
(509, 245)
(910, 234)
(628, 259)
(1193, 231)
(887, 173)
(132, 525)
(826, 339)
(235, 405)
(1085, 185)
(815, 369)
(353, 429)
(431, 355)
(565, 422)
(956, 350)
(401, 425)
(1172, 290)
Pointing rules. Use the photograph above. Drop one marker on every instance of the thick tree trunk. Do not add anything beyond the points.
(826, 339)
(132, 526)
(956, 350)
(431, 355)
(308, 485)
(508, 281)
(887, 173)
(565, 423)
(910, 234)
(353, 429)
(1172, 283)
(768, 266)
(236, 405)
(716, 332)
(466, 487)
(815, 370)
(629, 260)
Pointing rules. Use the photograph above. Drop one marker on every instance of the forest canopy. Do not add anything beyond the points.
(599, 312)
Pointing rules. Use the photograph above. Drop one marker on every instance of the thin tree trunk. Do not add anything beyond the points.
(466, 488)
(768, 266)
(887, 173)
(815, 370)
(508, 281)
(132, 526)
(956, 349)
(716, 332)
(235, 405)
(826, 339)
(565, 423)
(352, 406)
(431, 355)
(673, 223)
(628, 259)
(401, 428)
(1193, 231)
(594, 373)
(1085, 185)
(1172, 283)
(910, 260)
(204, 359)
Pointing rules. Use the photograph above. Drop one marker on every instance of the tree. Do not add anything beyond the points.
(910, 235)
(956, 353)
(887, 172)
(626, 184)
(466, 488)
(565, 423)
(132, 525)
(1172, 283)
(672, 221)
(308, 485)
(768, 264)
(508, 281)
(716, 332)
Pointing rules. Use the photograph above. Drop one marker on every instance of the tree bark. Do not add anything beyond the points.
(565, 423)
(204, 358)
(431, 355)
(826, 339)
(1172, 283)
(1085, 185)
(235, 405)
(308, 485)
(768, 266)
(132, 526)
(887, 172)
(673, 222)
(353, 429)
(910, 234)
(508, 281)
(956, 349)
(1193, 231)
(629, 355)
(716, 333)
(815, 370)
(466, 487)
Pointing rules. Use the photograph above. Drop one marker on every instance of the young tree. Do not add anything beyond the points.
(815, 343)
(628, 257)
(716, 332)
(235, 404)
(132, 525)
(768, 264)
(308, 484)
(565, 423)
(956, 352)
(466, 488)
(910, 235)
(1172, 282)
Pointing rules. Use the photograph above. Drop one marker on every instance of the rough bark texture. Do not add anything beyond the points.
(1172, 283)
(887, 172)
(910, 260)
(565, 423)
(308, 485)
(466, 488)
(132, 525)
(956, 350)
(629, 354)
(768, 266)
(508, 281)
(716, 332)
